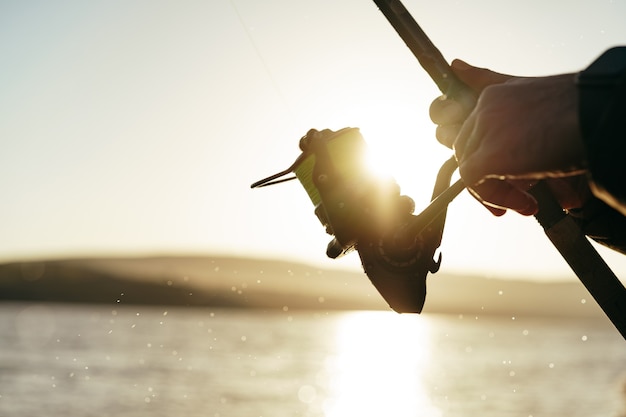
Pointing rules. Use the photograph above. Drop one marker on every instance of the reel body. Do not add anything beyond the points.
(365, 212)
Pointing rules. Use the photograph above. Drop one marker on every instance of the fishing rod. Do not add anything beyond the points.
(370, 215)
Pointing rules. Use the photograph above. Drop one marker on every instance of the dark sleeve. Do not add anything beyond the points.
(602, 104)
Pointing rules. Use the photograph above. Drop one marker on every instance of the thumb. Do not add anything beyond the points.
(477, 78)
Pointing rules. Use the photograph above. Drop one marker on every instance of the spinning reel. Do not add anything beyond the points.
(366, 213)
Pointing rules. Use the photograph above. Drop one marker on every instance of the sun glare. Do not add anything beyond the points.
(379, 365)
(405, 150)
(378, 162)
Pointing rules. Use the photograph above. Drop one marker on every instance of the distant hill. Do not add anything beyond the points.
(267, 284)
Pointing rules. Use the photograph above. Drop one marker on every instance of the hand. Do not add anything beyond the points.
(521, 130)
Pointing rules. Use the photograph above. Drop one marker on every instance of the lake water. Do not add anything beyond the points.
(64, 360)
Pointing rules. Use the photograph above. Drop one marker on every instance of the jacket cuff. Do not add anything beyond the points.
(602, 115)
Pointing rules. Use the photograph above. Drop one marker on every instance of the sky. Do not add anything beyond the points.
(132, 128)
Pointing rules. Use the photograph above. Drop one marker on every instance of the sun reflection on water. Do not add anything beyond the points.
(379, 365)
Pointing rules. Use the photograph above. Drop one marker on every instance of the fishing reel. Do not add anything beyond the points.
(368, 213)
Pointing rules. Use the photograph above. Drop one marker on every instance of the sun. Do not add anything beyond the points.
(407, 151)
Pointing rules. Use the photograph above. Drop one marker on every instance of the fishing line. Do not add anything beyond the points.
(263, 62)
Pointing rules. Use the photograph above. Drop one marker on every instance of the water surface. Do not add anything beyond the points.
(76, 360)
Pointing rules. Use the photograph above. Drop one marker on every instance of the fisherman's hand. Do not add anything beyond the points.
(521, 130)
(448, 114)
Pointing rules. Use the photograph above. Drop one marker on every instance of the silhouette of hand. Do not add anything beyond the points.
(522, 129)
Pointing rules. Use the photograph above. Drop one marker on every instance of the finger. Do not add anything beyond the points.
(496, 211)
(466, 139)
(477, 78)
(503, 195)
(446, 134)
(444, 111)
(570, 192)
(467, 147)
